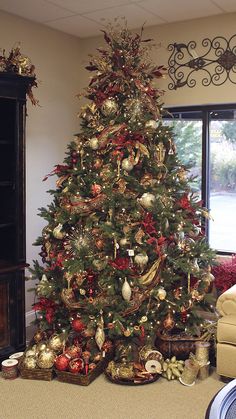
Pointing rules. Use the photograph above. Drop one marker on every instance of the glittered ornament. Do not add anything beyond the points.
(151, 124)
(147, 200)
(97, 163)
(99, 243)
(141, 260)
(99, 264)
(58, 233)
(126, 290)
(124, 242)
(127, 165)
(41, 346)
(93, 143)
(46, 358)
(62, 362)
(96, 189)
(169, 322)
(31, 352)
(109, 107)
(76, 365)
(77, 325)
(56, 343)
(100, 336)
(30, 362)
(73, 351)
(161, 293)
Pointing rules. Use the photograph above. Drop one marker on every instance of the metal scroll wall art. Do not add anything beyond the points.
(215, 65)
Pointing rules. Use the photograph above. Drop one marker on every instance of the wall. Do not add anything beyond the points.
(196, 30)
(51, 126)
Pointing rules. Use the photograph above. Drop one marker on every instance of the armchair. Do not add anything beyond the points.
(226, 334)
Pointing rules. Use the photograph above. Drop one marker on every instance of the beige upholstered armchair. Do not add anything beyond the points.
(226, 334)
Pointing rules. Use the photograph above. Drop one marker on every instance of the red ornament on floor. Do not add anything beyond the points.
(76, 365)
(62, 362)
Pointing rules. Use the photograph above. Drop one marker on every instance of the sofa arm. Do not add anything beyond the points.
(226, 303)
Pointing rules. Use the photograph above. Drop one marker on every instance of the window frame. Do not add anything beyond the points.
(205, 181)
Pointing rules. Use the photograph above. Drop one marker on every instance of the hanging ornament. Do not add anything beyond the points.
(99, 243)
(100, 336)
(46, 358)
(151, 124)
(195, 267)
(127, 165)
(169, 322)
(181, 174)
(99, 264)
(93, 143)
(147, 200)
(77, 325)
(195, 231)
(124, 242)
(109, 107)
(96, 189)
(57, 233)
(134, 108)
(97, 163)
(161, 293)
(141, 260)
(160, 152)
(183, 314)
(208, 279)
(126, 290)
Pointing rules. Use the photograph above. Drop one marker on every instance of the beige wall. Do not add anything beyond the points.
(196, 30)
(60, 61)
(51, 126)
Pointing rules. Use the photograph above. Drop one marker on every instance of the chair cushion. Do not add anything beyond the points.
(225, 360)
(226, 329)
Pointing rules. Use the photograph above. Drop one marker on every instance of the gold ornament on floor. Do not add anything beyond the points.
(109, 107)
(120, 370)
(58, 233)
(41, 346)
(190, 372)
(172, 368)
(46, 358)
(30, 362)
(56, 343)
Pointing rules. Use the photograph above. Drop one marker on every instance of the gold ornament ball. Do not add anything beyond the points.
(151, 124)
(56, 343)
(30, 362)
(94, 143)
(41, 346)
(30, 352)
(109, 107)
(147, 200)
(99, 264)
(161, 293)
(123, 242)
(127, 165)
(141, 260)
(46, 358)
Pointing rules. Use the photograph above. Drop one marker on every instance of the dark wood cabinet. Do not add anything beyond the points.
(13, 89)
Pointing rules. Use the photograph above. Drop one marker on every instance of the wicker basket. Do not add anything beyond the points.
(45, 374)
(85, 380)
(176, 345)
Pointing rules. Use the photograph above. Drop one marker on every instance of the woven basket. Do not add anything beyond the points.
(175, 345)
(85, 380)
(45, 374)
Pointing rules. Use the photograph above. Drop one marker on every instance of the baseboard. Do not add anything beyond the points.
(29, 317)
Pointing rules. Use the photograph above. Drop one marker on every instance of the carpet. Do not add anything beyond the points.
(31, 399)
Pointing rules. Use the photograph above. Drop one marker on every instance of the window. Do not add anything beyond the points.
(205, 137)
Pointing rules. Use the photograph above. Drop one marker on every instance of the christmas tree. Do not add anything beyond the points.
(123, 250)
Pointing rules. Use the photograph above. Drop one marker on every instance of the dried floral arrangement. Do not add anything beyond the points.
(17, 63)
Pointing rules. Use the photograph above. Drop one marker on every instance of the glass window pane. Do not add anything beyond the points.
(187, 128)
(222, 133)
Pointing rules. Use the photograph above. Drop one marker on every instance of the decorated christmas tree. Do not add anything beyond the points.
(123, 251)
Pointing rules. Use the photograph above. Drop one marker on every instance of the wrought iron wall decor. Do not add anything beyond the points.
(216, 64)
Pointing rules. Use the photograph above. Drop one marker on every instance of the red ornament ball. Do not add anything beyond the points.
(77, 325)
(73, 351)
(76, 365)
(62, 362)
(96, 189)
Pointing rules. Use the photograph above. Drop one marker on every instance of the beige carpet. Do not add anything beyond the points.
(30, 399)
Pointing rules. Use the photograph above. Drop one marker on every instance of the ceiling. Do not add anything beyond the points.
(85, 18)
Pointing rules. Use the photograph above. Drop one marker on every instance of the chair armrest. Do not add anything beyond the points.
(226, 303)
